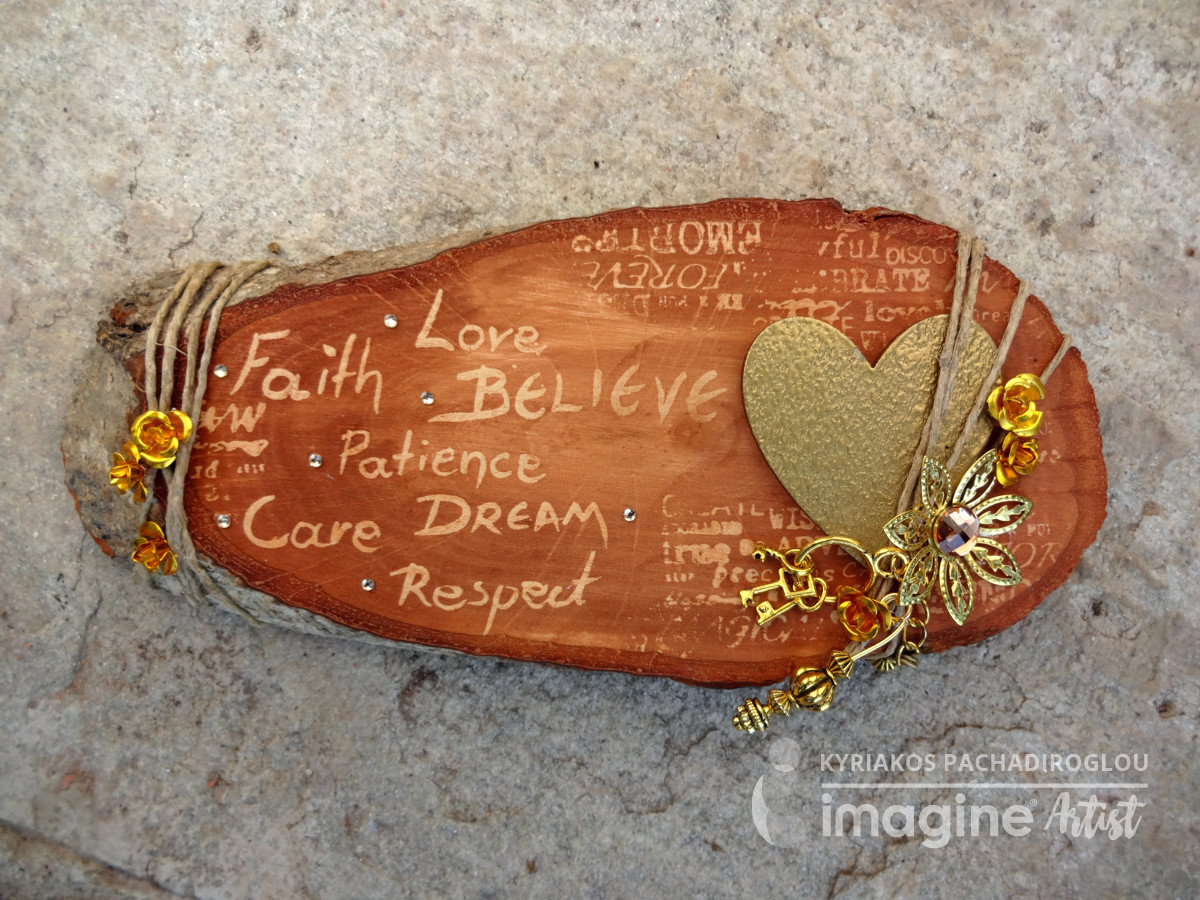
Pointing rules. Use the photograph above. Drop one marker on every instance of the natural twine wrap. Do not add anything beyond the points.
(958, 331)
(203, 290)
(958, 328)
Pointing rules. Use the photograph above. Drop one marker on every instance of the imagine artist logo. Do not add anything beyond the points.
(936, 824)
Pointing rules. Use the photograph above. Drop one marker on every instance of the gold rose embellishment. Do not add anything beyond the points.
(152, 550)
(128, 473)
(158, 435)
(1018, 455)
(950, 536)
(861, 615)
(156, 439)
(1014, 406)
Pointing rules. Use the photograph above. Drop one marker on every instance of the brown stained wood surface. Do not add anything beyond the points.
(578, 369)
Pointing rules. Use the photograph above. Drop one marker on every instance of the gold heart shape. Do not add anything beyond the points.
(840, 434)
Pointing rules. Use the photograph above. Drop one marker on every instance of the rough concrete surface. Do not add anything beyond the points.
(154, 750)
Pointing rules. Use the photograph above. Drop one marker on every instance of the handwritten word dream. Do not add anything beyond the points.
(487, 515)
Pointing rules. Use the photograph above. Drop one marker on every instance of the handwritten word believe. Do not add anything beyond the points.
(492, 398)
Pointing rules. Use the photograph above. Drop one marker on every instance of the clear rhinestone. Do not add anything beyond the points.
(956, 531)
(224, 520)
(426, 398)
(220, 371)
(629, 514)
(368, 584)
(390, 321)
(314, 460)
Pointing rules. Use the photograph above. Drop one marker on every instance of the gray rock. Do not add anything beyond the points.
(155, 748)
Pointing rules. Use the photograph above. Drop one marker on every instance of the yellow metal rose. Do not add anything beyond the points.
(128, 473)
(1013, 405)
(1018, 456)
(152, 550)
(157, 435)
(860, 615)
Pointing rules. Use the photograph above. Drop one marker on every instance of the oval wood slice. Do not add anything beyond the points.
(535, 445)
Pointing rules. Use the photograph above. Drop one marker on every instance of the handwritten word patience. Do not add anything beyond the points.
(444, 462)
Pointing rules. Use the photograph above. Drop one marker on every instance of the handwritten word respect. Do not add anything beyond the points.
(452, 597)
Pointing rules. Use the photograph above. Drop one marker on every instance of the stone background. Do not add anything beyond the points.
(150, 750)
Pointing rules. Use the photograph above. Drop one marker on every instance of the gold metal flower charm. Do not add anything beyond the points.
(950, 536)
(151, 549)
(1018, 455)
(157, 436)
(1013, 406)
(128, 473)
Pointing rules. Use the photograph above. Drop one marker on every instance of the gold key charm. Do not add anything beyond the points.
(795, 582)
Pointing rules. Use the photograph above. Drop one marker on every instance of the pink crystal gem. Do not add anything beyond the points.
(956, 531)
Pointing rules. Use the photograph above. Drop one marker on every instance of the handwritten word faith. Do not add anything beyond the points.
(283, 384)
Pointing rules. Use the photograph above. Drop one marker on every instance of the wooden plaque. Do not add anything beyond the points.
(535, 446)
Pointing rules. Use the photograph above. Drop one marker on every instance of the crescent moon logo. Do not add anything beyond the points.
(776, 829)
